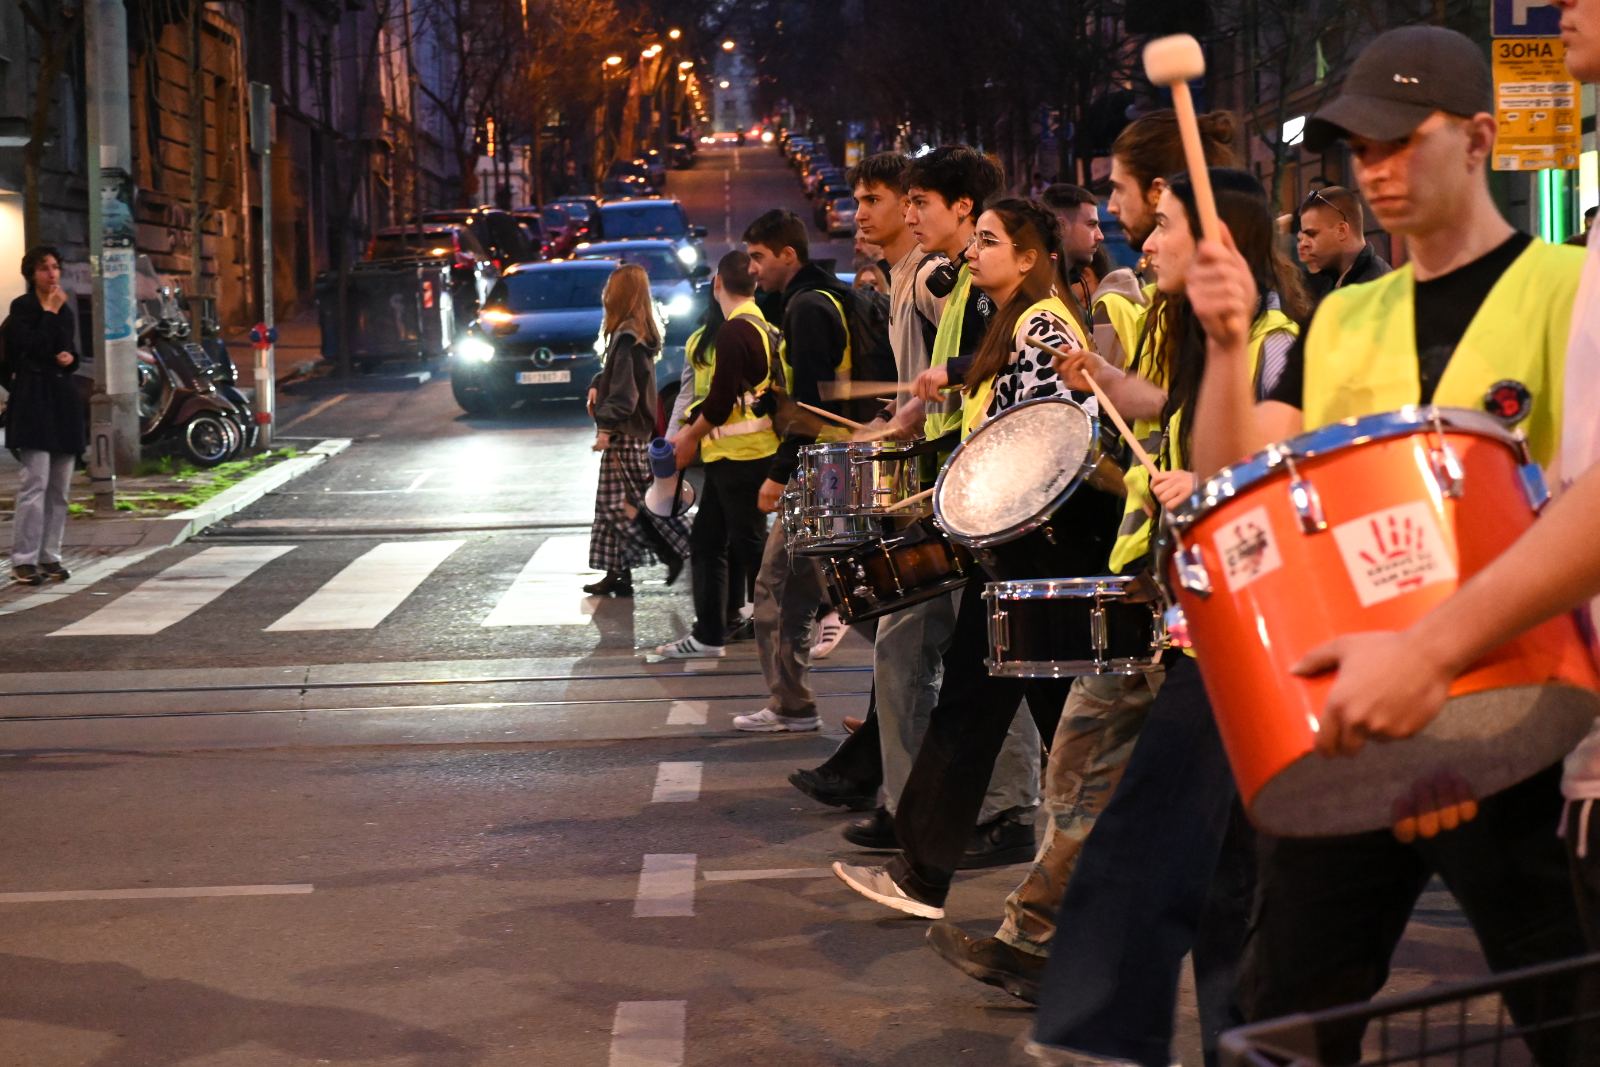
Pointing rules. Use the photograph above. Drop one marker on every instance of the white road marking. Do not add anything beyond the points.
(313, 413)
(177, 592)
(770, 872)
(677, 783)
(666, 886)
(688, 713)
(158, 894)
(373, 585)
(549, 591)
(416, 483)
(649, 1033)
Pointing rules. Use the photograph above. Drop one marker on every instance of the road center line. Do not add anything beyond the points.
(666, 886)
(677, 783)
(760, 875)
(313, 413)
(159, 894)
(688, 712)
(416, 483)
(649, 1033)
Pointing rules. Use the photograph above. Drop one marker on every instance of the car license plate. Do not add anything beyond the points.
(543, 377)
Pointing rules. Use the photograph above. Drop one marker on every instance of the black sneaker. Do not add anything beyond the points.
(27, 574)
(998, 843)
(989, 960)
(834, 790)
(875, 832)
(742, 630)
(55, 571)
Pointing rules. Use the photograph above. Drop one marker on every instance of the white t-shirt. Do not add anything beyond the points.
(911, 305)
(1580, 450)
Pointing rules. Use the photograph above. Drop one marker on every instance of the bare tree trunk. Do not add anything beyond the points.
(197, 161)
(56, 34)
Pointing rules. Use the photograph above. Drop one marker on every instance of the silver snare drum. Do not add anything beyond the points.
(846, 491)
(1066, 627)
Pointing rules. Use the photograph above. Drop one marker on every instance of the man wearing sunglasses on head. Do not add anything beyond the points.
(1333, 242)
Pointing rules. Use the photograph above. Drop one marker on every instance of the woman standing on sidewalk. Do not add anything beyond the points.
(622, 401)
(44, 415)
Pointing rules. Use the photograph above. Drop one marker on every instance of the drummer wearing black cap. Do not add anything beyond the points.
(1477, 319)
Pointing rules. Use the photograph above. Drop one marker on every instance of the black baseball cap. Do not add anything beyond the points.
(1400, 79)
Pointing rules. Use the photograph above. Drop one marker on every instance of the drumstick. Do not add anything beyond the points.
(1174, 62)
(908, 501)
(840, 419)
(858, 390)
(1110, 409)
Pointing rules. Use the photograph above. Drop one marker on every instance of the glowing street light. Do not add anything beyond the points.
(728, 45)
(674, 34)
(687, 64)
(613, 61)
(723, 84)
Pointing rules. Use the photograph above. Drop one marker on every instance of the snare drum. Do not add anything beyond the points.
(1073, 626)
(847, 490)
(1014, 493)
(1367, 525)
(881, 577)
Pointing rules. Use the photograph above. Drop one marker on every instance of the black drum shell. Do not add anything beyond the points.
(1052, 636)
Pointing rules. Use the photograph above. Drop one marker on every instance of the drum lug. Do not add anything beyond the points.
(1531, 475)
(1097, 629)
(1192, 573)
(1447, 471)
(1307, 506)
(999, 627)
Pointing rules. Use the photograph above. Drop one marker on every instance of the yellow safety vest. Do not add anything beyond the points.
(1133, 537)
(946, 345)
(1361, 350)
(975, 405)
(745, 435)
(1127, 318)
(842, 373)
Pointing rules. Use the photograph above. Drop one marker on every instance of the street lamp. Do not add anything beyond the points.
(728, 45)
(687, 64)
(723, 84)
(674, 34)
(613, 61)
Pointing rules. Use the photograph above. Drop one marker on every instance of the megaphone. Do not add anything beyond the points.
(669, 495)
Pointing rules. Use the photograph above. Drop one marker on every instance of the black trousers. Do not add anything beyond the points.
(1331, 910)
(859, 758)
(729, 534)
(966, 731)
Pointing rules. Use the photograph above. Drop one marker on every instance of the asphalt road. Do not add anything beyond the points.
(362, 777)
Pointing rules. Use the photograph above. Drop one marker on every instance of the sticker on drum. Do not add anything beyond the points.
(1248, 549)
(1395, 551)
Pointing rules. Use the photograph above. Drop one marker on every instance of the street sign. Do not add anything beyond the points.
(1536, 104)
(1525, 18)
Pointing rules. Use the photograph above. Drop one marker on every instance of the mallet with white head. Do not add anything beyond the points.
(1174, 62)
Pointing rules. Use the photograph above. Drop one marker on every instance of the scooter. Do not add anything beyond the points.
(178, 394)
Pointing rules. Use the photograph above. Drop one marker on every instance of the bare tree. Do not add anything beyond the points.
(481, 40)
(59, 28)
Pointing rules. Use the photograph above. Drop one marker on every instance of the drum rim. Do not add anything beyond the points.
(1063, 668)
(1114, 586)
(819, 448)
(1040, 518)
(1232, 480)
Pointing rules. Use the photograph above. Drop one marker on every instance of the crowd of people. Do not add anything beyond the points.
(1219, 348)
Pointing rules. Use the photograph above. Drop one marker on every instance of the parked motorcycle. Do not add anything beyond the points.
(179, 395)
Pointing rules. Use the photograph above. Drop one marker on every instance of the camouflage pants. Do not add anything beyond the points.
(1093, 741)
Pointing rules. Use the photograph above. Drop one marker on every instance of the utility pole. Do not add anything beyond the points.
(265, 336)
(114, 411)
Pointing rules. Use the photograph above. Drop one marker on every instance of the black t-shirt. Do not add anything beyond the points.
(974, 324)
(1445, 307)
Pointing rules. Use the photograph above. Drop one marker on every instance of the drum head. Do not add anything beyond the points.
(1014, 471)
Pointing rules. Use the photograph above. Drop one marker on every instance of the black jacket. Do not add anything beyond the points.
(1369, 266)
(625, 401)
(814, 338)
(44, 411)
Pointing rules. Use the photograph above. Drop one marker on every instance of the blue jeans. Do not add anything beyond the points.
(1169, 869)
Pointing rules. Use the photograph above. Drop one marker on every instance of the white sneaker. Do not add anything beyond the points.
(876, 885)
(688, 648)
(767, 721)
(830, 631)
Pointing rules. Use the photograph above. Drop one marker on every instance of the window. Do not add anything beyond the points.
(550, 290)
(645, 219)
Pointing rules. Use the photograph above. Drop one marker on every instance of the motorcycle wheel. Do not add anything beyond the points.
(210, 438)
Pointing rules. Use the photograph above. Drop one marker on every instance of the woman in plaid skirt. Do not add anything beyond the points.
(622, 401)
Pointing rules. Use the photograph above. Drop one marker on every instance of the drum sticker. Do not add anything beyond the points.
(1248, 549)
(1509, 401)
(1395, 551)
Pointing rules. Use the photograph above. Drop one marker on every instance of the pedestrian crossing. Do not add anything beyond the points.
(369, 589)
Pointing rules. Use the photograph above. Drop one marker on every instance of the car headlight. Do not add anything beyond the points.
(474, 349)
(689, 255)
(680, 306)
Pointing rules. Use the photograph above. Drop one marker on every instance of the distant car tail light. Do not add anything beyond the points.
(427, 294)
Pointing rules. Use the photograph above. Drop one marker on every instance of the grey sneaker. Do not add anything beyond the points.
(767, 721)
(876, 884)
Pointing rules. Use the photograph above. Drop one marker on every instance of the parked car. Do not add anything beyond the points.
(654, 217)
(472, 270)
(680, 153)
(579, 221)
(531, 219)
(681, 290)
(627, 178)
(656, 166)
(538, 337)
(839, 216)
(495, 230)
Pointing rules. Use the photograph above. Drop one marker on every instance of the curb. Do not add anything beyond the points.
(158, 534)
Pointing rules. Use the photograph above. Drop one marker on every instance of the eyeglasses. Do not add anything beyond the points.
(1316, 197)
(986, 240)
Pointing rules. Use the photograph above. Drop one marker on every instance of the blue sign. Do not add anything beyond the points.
(1526, 18)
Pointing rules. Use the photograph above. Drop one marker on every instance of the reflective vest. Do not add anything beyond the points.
(830, 431)
(975, 405)
(946, 345)
(1127, 318)
(1133, 537)
(745, 435)
(1361, 350)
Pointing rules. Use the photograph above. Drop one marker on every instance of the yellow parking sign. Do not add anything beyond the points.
(1536, 104)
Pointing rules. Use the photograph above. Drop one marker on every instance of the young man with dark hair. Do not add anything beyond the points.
(1078, 212)
(789, 589)
(735, 443)
(1333, 242)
